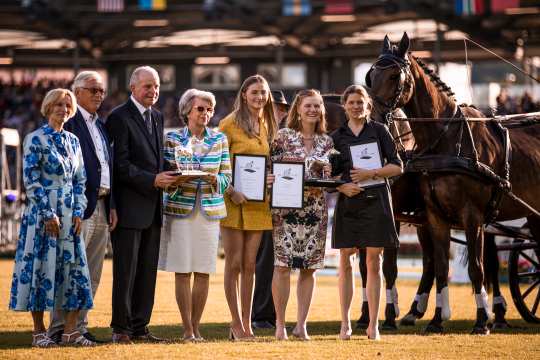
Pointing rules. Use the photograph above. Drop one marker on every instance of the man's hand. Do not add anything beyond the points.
(164, 179)
(77, 222)
(349, 189)
(52, 226)
(113, 219)
(358, 175)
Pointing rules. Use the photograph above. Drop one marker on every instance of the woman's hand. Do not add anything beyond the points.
(358, 175)
(77, 225)
(211, 179)
(349, 189)
(52, 226)
(237, 197)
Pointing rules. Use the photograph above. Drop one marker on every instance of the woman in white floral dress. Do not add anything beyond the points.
(300, 234)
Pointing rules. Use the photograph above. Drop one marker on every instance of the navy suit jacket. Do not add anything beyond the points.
(138, 158)
(77, 126)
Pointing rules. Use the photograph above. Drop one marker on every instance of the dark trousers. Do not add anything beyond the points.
(263, 305)
(135, 258)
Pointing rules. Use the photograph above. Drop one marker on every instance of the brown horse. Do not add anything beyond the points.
(454, 199)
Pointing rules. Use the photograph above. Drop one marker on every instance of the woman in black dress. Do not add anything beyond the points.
(363, 216)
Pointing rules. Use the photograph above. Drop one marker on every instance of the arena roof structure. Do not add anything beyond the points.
(63, 33)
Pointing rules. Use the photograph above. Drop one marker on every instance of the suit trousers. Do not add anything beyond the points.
(263, 305)
(95, 233)
(135, 259)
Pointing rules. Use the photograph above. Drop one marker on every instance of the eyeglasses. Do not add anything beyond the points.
(202, 109)
(96, 91)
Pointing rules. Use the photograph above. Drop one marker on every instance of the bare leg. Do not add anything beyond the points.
(233, 245)
(346, 290)
(182, 284)
(249, 259)
(71, 321)
(281, 286)
(304, 293)
(39, 325)
(374, 259)
(199, 295)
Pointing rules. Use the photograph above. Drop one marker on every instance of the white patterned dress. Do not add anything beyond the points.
(51, 273)
(300, 235)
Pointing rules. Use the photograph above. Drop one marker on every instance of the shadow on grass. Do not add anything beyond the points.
(320, 330)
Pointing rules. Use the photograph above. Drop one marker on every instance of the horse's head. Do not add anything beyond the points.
(389, 80)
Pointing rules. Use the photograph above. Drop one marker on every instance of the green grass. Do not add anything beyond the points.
(520, 342)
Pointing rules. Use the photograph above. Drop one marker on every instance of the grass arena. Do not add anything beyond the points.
(522, 341)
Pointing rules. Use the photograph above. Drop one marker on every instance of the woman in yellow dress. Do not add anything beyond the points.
(249, 128)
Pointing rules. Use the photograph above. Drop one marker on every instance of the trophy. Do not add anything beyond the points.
(185, 160)
(315, 170)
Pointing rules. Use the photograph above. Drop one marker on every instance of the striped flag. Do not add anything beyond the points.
(470, 7)
(110, 5)
(339, 7)
(296, 7)
(153, 4)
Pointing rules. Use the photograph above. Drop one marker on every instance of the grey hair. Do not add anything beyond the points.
(82, 77)
(186, 101)
(137, 72)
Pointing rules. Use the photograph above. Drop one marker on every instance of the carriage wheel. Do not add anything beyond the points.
(524, 279)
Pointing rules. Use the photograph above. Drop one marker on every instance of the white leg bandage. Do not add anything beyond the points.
(443, 301)
(421, 302)
(364, 295)
(482, 302)
(499, 300)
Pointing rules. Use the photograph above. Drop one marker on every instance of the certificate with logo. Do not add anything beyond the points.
(288, 187)
(367, 156)
(249, 176)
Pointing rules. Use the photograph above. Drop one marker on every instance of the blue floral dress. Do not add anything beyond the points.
(51, 273)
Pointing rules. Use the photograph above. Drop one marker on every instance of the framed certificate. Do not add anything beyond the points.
(249, 176)
(288, 187)
(367, 155)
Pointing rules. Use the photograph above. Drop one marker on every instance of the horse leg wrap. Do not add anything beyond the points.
(443, 302)
(482, 302)
(421, 302)
(392, 298)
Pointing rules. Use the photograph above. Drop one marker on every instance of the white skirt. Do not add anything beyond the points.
(189, 244)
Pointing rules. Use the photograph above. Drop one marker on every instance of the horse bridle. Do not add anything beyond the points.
(403, 65)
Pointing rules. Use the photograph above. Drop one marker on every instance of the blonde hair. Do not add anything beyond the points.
(241, 112)
(293, 119)
(53, 96)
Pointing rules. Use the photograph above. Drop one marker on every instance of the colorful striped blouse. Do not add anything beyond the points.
(214, 159)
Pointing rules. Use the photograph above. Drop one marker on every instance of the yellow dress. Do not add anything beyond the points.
(251, 215)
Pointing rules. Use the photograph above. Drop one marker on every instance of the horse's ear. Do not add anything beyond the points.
(404, 45)
(387, 46)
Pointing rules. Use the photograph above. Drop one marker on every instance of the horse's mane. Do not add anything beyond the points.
(435, 79)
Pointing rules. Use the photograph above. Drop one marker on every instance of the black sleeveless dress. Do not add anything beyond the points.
(367, 219)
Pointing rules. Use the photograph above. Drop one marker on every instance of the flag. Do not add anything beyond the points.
(296, 7)
(338, 7)
(110, 5)
(498, 6)
(152, 4)
(470, 7)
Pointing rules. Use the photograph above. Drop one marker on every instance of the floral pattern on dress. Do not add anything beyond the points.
(300, 234)
(51, 273)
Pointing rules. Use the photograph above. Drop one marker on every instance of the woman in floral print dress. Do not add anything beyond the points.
(300, 234)
(51, 272)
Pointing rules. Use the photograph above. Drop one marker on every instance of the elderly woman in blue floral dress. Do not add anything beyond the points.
(51, 272)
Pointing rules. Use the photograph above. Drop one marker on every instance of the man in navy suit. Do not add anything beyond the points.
(136, 129)
(100, 216)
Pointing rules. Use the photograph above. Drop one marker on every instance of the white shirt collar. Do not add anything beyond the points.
(141, 108)
(86, 115)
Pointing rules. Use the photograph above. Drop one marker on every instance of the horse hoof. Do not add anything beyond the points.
(434, 329)
(408, 320)
(500, 325)
(480, 330)
(389, 325)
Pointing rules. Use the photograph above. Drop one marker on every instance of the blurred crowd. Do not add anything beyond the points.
(507, 105)
(20, 104)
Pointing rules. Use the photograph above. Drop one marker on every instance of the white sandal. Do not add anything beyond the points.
(76, 339)
(42, 340)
